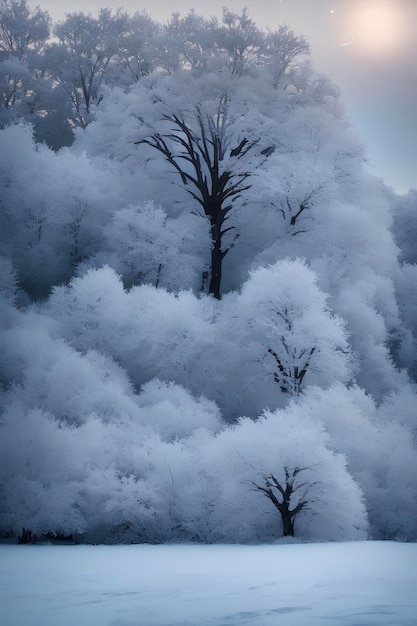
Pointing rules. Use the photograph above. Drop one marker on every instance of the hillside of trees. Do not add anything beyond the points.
(208, 305)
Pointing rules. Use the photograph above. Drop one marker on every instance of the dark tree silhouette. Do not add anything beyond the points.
(282, 496)
(197, 151)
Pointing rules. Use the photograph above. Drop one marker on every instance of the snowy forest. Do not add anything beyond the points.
(208, 305)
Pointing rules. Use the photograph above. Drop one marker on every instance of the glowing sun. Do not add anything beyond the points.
(377, 27)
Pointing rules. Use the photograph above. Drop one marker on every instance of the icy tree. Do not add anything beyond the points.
(48, 232)
(282, 495)
(281, 336)
(23, 36)
(81, 59)
(216, 154)
(279, 444)
(145, 245)
(211, 162)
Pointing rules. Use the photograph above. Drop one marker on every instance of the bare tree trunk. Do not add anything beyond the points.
(217, 256)
(216, 270)
(285, 491)
(203, 148)
(287, 524)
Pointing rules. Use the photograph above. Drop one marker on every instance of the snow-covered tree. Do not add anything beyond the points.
(23, 34)
(139, 49)
(244, 456)
(144, 245)
(46, 233)
(209, 156)
(81, 59)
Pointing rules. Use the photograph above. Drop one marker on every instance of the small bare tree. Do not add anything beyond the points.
(281, 495)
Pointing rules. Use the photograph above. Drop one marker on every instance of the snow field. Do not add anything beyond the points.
(353, 584)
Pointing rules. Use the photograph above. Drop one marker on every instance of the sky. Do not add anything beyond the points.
(368, 48)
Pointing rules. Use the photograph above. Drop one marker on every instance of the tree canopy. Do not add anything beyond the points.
(208, 311)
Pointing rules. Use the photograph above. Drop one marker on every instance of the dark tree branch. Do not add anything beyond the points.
(203, 149)
(290, 376)
(286, 492)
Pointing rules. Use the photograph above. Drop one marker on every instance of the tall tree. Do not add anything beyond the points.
(139, 46)
(241, 39)
(282, 48)
(86, 48)
(190, 42)
(214, 172)
(23, 34)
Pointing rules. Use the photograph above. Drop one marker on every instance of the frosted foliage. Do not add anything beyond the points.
(362, 236)
(406, 293)
(316, 184)
(126, 119)
(251, 451)
(47, 232)
(370, 334)
(405, 224)
(171, 413)
(120, 508)
(317, 203)
(23, 34)
(398, 520)
(8, 280)
(78, 413)
(151, 332)
(209, 156)
(133, 113)
(52, 376)
(85, 50)
(183, 486)
(406, 290)
(157, 466)
(220, 349)
(285, 330)
(400, 407)
(41, 477)
(110, 481)
(88, 446)
(380, 451)
(146, 246)
(104, 136)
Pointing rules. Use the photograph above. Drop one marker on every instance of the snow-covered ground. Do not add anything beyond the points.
(189, 585)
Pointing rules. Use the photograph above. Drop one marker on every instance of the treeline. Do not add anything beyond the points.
(54, 75)
(208, 305)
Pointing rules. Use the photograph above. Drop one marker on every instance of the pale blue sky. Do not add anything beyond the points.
(368, 47)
